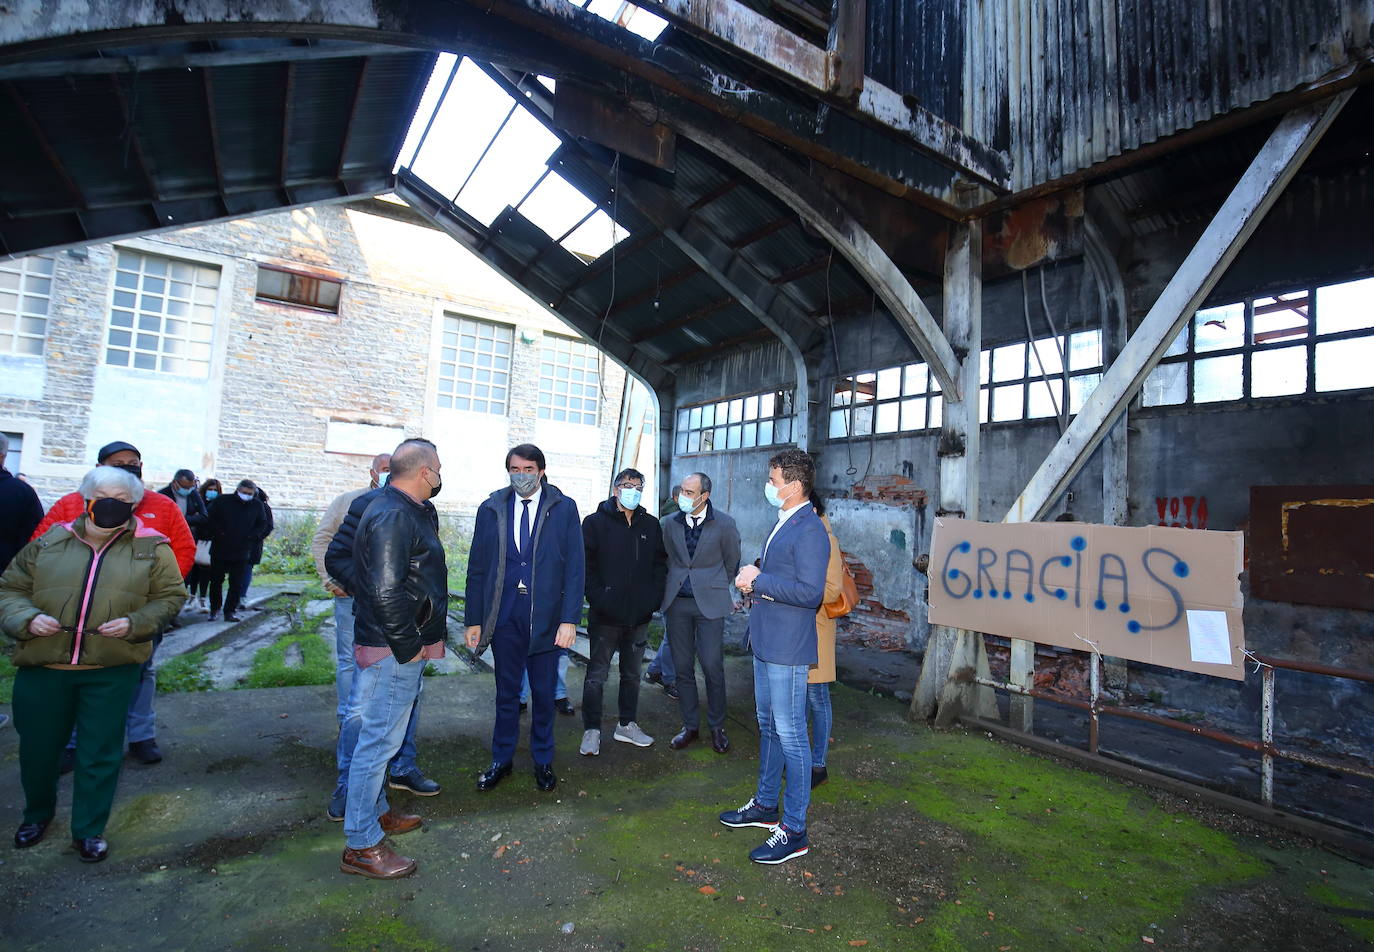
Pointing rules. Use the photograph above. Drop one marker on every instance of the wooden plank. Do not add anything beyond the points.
(1259, 187)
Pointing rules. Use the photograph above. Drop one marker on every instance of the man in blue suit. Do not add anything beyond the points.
(524, 598)
(789, 583)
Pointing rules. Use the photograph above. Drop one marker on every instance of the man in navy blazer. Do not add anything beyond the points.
(524, 598)
(788, 585)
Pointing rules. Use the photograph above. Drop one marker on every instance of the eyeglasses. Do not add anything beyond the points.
(629, 485)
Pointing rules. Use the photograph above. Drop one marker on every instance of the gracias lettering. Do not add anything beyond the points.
(985, 572)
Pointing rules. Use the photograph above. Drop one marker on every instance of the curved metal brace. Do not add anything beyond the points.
(822, 212)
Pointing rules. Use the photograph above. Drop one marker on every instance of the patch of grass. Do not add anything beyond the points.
(287, 550)
(270, 669)
(184, 673)
(7, 670)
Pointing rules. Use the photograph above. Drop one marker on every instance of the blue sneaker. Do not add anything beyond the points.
(751, 814)
(781, 846)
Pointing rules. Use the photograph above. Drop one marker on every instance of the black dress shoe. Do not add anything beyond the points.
(564, 706)
(230, 616)
(493, 775)
(29, 833)
(683, 738)
(719, 742)
(544, 777)
(653, 677)
(818, 777)
(93, 849)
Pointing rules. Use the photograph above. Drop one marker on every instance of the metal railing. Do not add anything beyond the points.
(1265, 746)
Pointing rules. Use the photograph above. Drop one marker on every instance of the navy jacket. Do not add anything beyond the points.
(20, 514)
(556, 583)
(338, 558)
(235, 527)
(788, 591)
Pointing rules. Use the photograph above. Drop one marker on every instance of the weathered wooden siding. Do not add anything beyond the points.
(1065, 84)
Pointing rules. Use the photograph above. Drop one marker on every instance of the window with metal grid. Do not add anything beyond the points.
(1307, 341)
(162, 314)
(738, 423)
(569, 381)
(474, 365)
(25, 296)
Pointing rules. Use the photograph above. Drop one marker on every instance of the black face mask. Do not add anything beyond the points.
(109, 513)
(434, 490)
(135, 468)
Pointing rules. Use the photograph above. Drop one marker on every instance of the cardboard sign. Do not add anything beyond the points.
(1164, 596)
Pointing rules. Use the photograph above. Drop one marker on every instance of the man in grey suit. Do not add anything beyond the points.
(703, 557)
(789, 585)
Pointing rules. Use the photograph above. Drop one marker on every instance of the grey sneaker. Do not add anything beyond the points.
(591, 743)
(631, 733)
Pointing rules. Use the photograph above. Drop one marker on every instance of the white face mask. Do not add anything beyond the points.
(246, 497)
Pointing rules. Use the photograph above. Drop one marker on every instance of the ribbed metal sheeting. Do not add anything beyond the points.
(1065, 84)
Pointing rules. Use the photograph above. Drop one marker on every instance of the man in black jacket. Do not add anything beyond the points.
(401, 607)
(182, 491)
(626, 568)
(236, 522)
(404, 772)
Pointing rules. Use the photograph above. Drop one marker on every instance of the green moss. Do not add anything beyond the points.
(270, 670)
(149, 811)
(389, 933)
(184, 673)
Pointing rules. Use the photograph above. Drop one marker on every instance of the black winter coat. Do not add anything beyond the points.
(235, 527)
(626, 565)
(20, 514)
(400, 599)
(196, 511)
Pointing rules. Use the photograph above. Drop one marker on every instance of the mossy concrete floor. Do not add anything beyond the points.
(922, 840)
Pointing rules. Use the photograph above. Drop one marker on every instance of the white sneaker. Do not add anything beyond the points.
(591, 743)
(202, 603)
(632, 734)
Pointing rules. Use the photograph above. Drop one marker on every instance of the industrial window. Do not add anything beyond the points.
(162, 314)
(1020, 381)
(1308, 341)
(25, 295)
(759, 419)
(569, 381)
(474, 365)
(302, 290)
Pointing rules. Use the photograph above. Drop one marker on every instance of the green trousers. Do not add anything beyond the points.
(47, 703)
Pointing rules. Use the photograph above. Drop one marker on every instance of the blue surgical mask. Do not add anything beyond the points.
(686, 503)
(246, 497)
(382, 478)
(629, 498)
(212, 494)
(770, 493)
(525, 483)
(184, 491)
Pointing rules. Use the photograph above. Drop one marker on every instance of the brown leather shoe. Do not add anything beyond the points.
(394, 823)
(376, 862)
(719, 742)
(683, 738)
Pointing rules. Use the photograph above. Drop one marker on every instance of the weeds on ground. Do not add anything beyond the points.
(184, 673)
(7, 670)
(287, 550)
(270, 668)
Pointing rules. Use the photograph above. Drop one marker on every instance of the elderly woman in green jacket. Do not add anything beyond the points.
(84, 601)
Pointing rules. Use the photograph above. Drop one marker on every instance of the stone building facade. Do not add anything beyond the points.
(289, 348)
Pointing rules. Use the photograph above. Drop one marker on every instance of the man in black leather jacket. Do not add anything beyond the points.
(401, 605)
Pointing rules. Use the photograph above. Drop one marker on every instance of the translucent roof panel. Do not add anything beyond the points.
(513, 164)
(555, 206)
(465, 123)
(595, 236)
(428, 103)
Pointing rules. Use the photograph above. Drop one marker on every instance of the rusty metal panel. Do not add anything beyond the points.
(585, 113)
(1313, 545)
(1087, 80)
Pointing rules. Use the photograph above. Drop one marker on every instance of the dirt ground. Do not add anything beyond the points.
(921, 840)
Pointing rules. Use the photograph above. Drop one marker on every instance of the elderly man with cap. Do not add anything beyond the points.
(157, 512)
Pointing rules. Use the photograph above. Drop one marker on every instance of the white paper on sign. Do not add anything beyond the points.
(1208, 639)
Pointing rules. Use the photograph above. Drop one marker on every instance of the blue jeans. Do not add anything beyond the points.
(560, 690)
(141, 723)
(385, 695)
(780, 699)
(663, 662)
(345, 668)
(819, 713)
